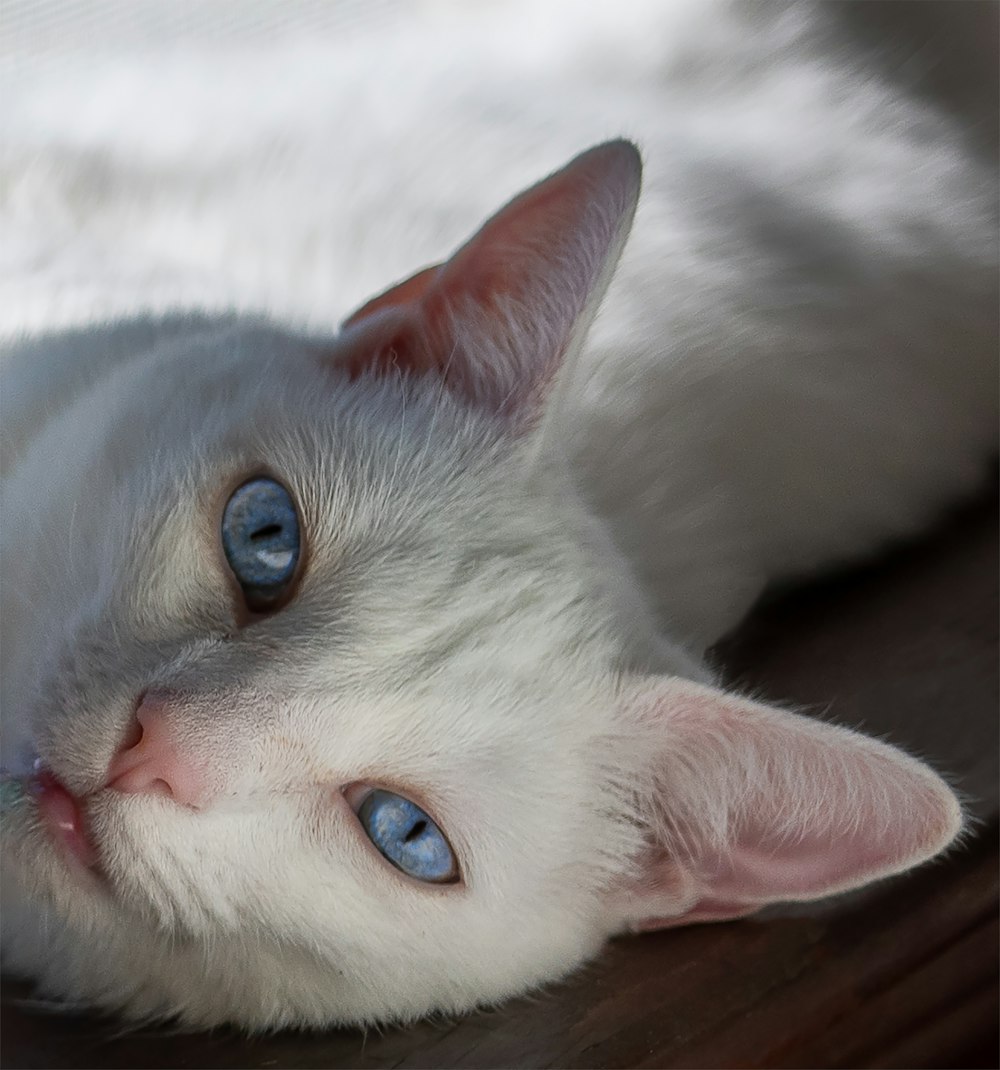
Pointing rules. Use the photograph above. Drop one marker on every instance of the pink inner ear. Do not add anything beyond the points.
(389, 339)
(497, 318)
(523, 243)
(758, 805)
(406, 292)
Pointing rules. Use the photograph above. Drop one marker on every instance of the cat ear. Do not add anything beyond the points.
(752, 805)
(496, 320)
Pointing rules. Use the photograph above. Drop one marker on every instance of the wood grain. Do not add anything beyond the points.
(901, 975)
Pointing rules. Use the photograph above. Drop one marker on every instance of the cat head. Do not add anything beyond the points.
(346, 710)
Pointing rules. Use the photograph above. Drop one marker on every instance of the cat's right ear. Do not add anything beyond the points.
(497, 319)
(744, 805)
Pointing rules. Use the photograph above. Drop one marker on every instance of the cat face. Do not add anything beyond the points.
(441, 641)
(435, 646)
(426, 767)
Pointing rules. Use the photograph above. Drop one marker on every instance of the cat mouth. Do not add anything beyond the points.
(63, 816)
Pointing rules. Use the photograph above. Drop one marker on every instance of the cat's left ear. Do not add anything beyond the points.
(498, 318)
(746, 805)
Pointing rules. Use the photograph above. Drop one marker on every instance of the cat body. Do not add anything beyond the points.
(525, 519)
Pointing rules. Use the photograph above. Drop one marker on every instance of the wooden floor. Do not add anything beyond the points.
(903, 975)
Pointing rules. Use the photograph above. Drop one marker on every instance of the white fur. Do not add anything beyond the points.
(795, 362)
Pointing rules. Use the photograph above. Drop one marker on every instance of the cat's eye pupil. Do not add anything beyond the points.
(263, 533)
(408, 837)
(260, 538)
(416, 831)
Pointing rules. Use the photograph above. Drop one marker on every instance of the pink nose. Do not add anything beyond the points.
(151, 762)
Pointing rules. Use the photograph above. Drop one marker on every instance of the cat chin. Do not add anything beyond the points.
(55, 913)
(177, 988)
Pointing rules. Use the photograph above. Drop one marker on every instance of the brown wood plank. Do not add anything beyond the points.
(901, 975)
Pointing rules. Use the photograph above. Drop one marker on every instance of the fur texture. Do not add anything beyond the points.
(521, 535)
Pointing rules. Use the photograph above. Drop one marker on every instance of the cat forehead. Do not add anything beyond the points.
(250, 384)
(188, 422)
(398, 458)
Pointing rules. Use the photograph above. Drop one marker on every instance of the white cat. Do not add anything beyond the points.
(364, 670)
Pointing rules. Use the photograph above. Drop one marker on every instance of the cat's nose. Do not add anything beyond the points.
(151, 762)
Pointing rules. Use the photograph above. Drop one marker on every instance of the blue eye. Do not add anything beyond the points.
(260, 537)
(408, 838)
